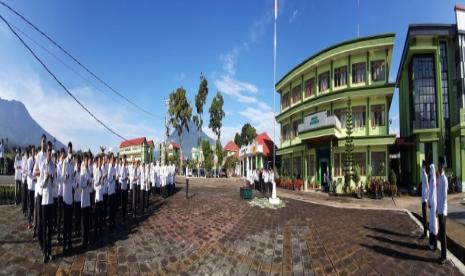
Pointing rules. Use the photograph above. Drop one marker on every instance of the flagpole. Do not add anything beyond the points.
(274, 82)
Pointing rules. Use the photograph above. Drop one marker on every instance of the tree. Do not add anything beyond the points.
(238, 140)
(200, 100)
(248, 134)
(216, 117)
(349, 147)
(180, 112)
(207, 154)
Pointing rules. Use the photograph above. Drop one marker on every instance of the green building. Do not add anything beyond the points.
(431, 96)
(314, 105)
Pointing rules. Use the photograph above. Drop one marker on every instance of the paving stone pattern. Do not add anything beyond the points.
(216, 233)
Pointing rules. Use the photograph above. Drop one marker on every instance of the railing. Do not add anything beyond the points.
(317, 121)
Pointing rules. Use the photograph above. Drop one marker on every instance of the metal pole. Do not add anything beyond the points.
(187, 188)
(274, 82)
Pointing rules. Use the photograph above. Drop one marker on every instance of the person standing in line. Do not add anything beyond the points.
(98, 187)
(86, 187)
(157, 179)
(2, 160)
(164, 176)
(433, 219)
(31, 182)
(143, 184)
(23, 188)
(112, 192)
(105, 167)
(68, 184)
(18, 174)
(124, 176)
(148, 174)
(443, 186)
(135, 180)
(424, 197)
(58, 195)
(47, 175)
(77, 196)
(117, 184)
(131, 167)
(38, 211)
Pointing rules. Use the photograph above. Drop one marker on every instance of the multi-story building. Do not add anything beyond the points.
(315, 96)
(138, 149)
(431, 82)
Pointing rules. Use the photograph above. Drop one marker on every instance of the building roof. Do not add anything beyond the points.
(150, 143)
(231, 146)
(422, 30)
(174, 145)
(132, 142)
(268, 144)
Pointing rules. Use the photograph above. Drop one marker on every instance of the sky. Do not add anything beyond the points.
(147, 49)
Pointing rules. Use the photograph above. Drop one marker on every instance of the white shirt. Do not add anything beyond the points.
(98, 184)
(24, 169)
(424, 186)
(123, 177)
(111, 179)
(18, 171)
(2, 150)
(40, 160)
(443, 185)
(31, 180)
(157, 176)
(143, 178)
(77, 185)
(147, 178)
(68, 180)
(105, 179)
(47, 171)
(433, 219)
(85, 187)
(59, 179)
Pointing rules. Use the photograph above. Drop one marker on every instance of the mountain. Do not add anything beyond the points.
(189, 139)
(19, 127)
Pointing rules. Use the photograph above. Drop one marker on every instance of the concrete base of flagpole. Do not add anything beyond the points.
(274, 200)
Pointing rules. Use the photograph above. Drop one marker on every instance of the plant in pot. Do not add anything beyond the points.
(356, 178)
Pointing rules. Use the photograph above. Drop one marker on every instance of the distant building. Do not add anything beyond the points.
(139, 148)
(173, 148)
(257, 155)
(232, 151)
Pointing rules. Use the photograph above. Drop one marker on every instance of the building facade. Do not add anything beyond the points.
(431, 82)
(316, 96)
(258, 155)
(138, 149)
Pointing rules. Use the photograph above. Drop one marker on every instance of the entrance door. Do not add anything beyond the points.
(323, 171)
(323, 163)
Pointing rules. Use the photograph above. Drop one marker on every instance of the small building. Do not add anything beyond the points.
(138, 149)
(232, 151)
(431, 82)
(173, 149)
(257, 155)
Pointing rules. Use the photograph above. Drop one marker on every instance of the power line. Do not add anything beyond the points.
(59, 82)
(77, 61)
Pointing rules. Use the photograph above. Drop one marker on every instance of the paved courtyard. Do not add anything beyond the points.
(215, 232)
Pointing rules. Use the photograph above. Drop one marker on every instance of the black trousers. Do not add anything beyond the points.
(38, 220)
(47, 225)
(433, 240)
(67, 225)
(112, 203)
(55, 213)
(24, 195)
(138, 194)
(424, 218)
(85, 225)
(105, 208)
(124, 203)
(98, 218)
(60, 212)
(77, 217)
(134, 200)
(30, 203)
(18, 191)
(145, 199)
(442, 235)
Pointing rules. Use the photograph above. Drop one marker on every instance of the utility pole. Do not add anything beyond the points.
(167, 102)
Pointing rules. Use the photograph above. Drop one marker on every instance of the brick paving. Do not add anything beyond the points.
(216, 233)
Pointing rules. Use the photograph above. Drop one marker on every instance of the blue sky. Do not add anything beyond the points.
(146, 49)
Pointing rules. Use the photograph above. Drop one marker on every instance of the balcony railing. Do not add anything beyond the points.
(319, 120)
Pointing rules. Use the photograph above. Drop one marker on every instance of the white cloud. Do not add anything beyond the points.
(293, 16)
(262, 118)
(260, 26)
(230, 60)
(237, 89)
(227, 133)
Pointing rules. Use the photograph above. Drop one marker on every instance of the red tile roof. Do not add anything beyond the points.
(132, 142)
(231, 146)
(174, 145)
(265, 140)
(150, 143)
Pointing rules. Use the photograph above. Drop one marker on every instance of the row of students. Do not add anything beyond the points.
(65, 190)
(262, 180)
(434, 195)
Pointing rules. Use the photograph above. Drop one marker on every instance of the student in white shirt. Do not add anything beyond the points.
(47, 174)
(98, 187)
(163, 177)
(77, 195)
(68, 184)
(433, 219)
(105, 167)
(112, 192)
(31, 181)
(18, 175)
(86, 187)
(58, 207)
(157, 179)
(424, 197)
(145, 204)
(123, 180)
(143, 184)
(135, 184)
(38, 211)
(443, 186)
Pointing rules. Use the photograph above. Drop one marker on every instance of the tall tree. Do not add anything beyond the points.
(238, 140)
(349, 147)
(200, 100)
(216, 116)
(180, 112)
(248, 133)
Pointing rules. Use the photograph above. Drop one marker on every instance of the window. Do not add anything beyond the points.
(285, 101)
(423, 92)
(445, 101)
(358, 116)
(295, 128)
(337, 164)
(378, 70)
(341, 114)
(296, 94)
(358, 72)
(378, 115)
(360, 161)
(286, 167)
(297, 167)
(340, 76)
(378, 163)
(311, 165)
(309, 87)
(323, 82)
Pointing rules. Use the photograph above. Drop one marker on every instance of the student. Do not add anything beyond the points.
(38, 211)
(47, 174)
(18, 174)
(443, 185)
(147, 184)
(68, 184)
(23, 189)
(135, 180)
(58, 195)
(2, 161)
(424, 197)
(157, 178)
(143, 185)
(86, 187)
(163, 177)
(98, 187)
(124, 176)
(31, 182)
(433, 220)
(77, 196)
(111, 192)
(105, 167)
